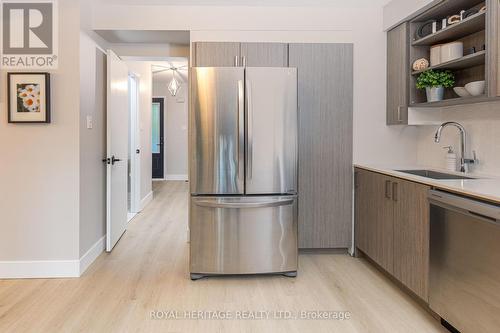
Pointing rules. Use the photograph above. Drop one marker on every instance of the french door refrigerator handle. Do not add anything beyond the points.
(216, 204)
(249, 130)
(240, 145)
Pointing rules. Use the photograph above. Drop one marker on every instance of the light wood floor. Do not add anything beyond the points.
(148, 271)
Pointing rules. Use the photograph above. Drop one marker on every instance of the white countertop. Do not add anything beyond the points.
(482, 186)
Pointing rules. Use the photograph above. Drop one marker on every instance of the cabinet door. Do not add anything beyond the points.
(325, 143)
(216, 54)
(265, 54)
(493, 49)
(374, 217)
(398, 79)
(411, 236)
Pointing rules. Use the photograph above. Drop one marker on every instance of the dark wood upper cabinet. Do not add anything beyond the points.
(398, 46)
(264, 54)
(232, 54)
(216, 54)
(479, 34)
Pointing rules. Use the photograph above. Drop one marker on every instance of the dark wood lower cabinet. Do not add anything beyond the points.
(374, 218)
(392, 227)
(411, 237)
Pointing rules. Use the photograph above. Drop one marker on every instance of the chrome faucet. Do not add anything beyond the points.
(464, 162)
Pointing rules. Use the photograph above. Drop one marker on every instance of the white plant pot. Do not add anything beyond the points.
(434, 94)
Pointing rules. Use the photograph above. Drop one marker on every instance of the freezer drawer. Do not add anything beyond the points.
(217, 131)
(243, 235)
(271, 130)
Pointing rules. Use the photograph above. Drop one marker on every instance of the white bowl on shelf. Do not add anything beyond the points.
(461, 91)
(475, 88)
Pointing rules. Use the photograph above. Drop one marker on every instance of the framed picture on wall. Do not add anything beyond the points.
(28, 97)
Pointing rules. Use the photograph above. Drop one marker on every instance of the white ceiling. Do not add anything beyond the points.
(280, 3)
(145, 36)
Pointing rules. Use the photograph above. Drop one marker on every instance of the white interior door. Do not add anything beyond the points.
(117, 149)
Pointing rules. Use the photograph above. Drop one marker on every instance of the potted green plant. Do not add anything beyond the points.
(434, 83)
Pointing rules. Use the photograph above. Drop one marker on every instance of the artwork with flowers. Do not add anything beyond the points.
(29, 97)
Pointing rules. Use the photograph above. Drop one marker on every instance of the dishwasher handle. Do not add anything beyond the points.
(475, 208)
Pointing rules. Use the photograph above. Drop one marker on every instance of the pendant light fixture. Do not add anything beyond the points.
(174, 85)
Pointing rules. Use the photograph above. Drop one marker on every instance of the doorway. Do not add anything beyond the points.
(157, 134)
(134, 174)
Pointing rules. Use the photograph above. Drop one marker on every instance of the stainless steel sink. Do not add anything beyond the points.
(433, 174)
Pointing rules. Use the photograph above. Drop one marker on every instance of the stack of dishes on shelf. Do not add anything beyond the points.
(475, 88)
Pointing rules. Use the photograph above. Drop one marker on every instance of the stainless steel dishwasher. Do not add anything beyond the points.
(464, 281)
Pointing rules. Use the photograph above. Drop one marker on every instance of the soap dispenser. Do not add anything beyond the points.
(451, 159)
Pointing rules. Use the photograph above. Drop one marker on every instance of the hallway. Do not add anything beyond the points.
(148, 271)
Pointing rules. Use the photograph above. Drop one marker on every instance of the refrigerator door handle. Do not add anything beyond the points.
(240, 145)
(238, 205)
(249, 130)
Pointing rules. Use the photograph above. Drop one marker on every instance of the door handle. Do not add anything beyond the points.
(240, 154)
(388, 189)
(395, 187)
(114, 160)
(249, 130)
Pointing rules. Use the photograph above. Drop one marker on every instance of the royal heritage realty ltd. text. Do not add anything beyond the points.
(249, 315)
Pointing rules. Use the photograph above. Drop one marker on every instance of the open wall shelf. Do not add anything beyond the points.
(456, 31)
(480, 35)
(467, 61)
(471, 32)
(453, 101)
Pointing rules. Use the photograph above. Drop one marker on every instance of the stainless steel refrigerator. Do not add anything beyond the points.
(243, 171)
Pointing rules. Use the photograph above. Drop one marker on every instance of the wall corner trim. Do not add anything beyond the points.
(91, 255)
(146, 200)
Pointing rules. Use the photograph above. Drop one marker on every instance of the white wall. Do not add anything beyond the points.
(175, 126)
(361, 25)
(143, 70)
(398, 10)
(39, 168)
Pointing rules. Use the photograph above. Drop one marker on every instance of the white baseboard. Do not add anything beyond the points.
(39, 269)
(176, 177)
(46, 269)
(91, 255)
(146, 200)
